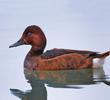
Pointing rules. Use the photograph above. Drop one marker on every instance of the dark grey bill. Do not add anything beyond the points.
(18, 43)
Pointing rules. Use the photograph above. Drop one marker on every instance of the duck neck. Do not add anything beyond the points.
(35, 51)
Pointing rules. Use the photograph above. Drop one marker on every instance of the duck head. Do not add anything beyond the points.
(34, 36)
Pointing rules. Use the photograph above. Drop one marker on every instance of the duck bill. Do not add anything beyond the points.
(18, 43)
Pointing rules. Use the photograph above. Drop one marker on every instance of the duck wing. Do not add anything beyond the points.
(58, 52)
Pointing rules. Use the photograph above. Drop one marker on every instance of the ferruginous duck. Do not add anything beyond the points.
(55, 59)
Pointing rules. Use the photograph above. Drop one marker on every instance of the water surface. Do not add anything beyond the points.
(63, 80)
(71, 24)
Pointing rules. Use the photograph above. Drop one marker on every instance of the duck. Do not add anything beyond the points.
(55, 59)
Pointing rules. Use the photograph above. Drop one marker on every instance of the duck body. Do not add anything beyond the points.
(55, 59)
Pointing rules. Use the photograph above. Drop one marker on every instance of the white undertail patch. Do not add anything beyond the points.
(97, 62)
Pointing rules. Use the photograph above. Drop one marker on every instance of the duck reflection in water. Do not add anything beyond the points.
(75, 79)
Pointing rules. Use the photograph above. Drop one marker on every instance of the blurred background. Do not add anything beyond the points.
(71, 24)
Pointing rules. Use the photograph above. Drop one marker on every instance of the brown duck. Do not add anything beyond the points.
(55, 59)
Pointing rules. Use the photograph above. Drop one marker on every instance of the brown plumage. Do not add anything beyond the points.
(55, 59)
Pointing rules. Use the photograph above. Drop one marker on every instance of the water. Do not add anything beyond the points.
(63, 79)
(73, 24)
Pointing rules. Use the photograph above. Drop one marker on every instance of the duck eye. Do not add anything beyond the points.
(29, 33)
